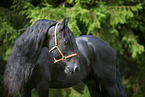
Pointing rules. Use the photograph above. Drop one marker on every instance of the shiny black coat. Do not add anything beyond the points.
(98, 70)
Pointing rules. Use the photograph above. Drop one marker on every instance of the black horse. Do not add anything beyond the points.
(98, 67)
(25, 56)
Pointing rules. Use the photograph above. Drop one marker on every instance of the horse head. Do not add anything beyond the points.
(62, 45)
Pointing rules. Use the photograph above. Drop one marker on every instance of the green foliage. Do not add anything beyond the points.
(10, 21)
(133, 85)
(92, 19)
(120, 23)
(8, 34)
(69, 92)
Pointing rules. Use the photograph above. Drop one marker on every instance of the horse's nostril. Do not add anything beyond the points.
(76, 69)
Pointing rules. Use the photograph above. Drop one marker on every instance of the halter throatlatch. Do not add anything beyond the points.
(56, 47)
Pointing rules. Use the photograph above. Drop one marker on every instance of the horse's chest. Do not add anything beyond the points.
(64, 81)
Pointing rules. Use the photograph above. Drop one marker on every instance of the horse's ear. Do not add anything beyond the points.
(62, 24)
(66, 21)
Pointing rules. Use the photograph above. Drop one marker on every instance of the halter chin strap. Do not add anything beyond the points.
(56, 47)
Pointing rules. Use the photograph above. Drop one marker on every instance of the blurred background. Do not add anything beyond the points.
(121, 23)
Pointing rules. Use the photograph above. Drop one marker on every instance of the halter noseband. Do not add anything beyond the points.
(56, 47)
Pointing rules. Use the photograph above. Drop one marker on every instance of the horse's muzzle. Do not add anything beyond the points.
(71, 70)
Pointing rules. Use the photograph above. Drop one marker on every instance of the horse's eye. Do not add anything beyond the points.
(66, 41)
(60, 36)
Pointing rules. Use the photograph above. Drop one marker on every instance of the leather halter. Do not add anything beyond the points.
(56, 47)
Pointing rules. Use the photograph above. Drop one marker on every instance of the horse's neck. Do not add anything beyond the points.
(83, 50)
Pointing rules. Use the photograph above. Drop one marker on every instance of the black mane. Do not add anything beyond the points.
(25, 53)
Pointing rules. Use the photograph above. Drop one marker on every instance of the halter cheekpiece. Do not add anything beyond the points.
(57, 47)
